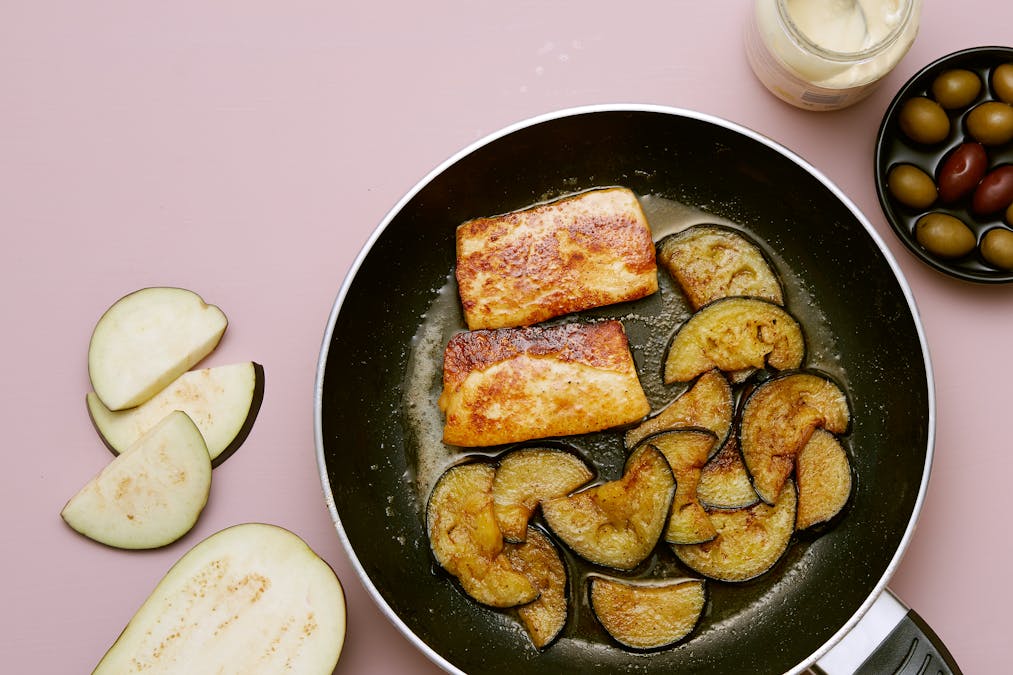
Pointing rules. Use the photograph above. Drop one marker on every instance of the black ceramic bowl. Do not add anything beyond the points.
(893, 147)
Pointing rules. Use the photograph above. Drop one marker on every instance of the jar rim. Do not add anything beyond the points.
(803, 40)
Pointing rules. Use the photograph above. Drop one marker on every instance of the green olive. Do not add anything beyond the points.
(991, 123)
(923, 120)
(911, 186)
(1002, 82)
(956, 88)
(997, 248)
(943, 235)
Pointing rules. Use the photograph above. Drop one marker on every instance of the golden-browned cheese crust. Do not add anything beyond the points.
(516, 384)
(575, 253)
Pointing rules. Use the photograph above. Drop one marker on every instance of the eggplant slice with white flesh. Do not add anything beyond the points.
(724, 481)
(538, 559)
(617, 524)
(466, 540)
(647, 614)
(735, 334)
(708, 403)
(715, 261)
(823, 474)
(748, 543)
(779, 417)
(686, 452)
(529, 476)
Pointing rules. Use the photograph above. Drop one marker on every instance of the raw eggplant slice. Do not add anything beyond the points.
(714, 261)
(223, 402)
(707, 404)
(527, 477)
(735, 334)
(686, 452)
(466, 541)
(253, 598)
(823, 473)
(617, 524)
(749, 541)
(146, 340)
(149, 496)
(778, 418)
(539, 560)
(647, 614)
(724, 481)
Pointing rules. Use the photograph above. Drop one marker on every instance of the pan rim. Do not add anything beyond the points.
(902, 546)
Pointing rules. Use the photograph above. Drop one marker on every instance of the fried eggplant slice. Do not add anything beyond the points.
(686, 452)
(466, 540)
(778, 419)
(823, 473)
(617, 524)
(539, 560)
(735, 334)
(724, 481)
(714, 261)
(749, 541)
(707, 404)
(582, 251)
(517, 384)
(529, 476)
(647, 614)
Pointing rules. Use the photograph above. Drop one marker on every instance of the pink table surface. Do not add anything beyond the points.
(246, 150)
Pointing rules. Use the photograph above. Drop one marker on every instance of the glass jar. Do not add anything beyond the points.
(828, 54)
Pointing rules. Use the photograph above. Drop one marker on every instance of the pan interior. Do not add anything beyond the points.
(368, 426)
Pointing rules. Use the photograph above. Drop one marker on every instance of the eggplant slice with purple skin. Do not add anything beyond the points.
(686, 452)
(724, 481)
(779, 417)
(467, 542)
(734, 335)
(539, 560)
(708, 403)
(716, 261)
(617, 524)
(647, 614)
(749, 541)
(529, 476)
(823, 473)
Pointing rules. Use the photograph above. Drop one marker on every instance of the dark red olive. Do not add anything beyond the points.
(994, 192)
(961, 171)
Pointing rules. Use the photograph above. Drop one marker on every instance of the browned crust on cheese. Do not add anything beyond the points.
(575, 253)
(546, 381)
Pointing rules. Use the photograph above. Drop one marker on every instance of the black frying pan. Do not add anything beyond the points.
(780, 622)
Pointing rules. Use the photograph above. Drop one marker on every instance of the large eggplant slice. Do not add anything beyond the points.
(146, 340)
(149, 496)
(686, 452)
(527, 477)
(724, 481)
(466, 541)
(539, 560)
(252, 598)
(223, 402)
(749, 541)
(778, 419)
(707, 404)
(735, 334)
(647, 614)
(617, 524)
(823, 474)
(714, 261)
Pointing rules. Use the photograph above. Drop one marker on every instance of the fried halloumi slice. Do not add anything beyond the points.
(587, 250)
(517, 384)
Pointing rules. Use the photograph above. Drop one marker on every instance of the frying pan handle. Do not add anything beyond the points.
(890, 638)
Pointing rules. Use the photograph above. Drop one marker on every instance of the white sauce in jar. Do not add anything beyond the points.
(828, 54)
